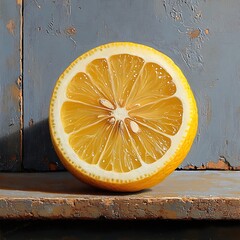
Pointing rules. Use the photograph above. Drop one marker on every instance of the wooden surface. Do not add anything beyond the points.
(196, 34)
(183, 195)
(10, 86)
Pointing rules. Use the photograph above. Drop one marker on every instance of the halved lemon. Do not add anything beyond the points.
(122, 117)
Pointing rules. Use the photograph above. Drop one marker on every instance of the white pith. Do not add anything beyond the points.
(119, 113)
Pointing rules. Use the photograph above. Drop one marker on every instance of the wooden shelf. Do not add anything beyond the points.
(183, 195)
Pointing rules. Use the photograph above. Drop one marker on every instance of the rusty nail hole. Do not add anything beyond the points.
(71, 30)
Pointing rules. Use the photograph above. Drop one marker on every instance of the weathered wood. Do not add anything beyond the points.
(10, 85)
(204, 43)
(183, 195)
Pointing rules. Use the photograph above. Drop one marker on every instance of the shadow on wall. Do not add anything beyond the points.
(38, 151)
(10, 159)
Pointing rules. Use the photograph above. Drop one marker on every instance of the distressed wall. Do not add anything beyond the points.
(202, 37)
(10, 86)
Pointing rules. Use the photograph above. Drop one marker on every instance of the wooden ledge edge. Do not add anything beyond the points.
(182, 196)
(128, 209)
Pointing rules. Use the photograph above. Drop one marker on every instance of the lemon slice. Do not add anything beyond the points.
(122, 117)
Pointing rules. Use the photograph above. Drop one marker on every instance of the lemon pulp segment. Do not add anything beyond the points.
(121, 113)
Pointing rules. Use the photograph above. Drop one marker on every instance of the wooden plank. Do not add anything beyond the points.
(183, 195)
(192, 33)
(10, 85)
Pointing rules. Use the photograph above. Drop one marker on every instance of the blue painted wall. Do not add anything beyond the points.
(202, 37)
(10, 86)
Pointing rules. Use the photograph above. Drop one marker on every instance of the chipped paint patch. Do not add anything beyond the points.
(14, 91)
(11, 26)
(70, 30)
(194, 33)
(192, 57)
(221, 164)
(11, 122)
(19, 2)
(19, 82)
(31, 122)
(184, 16)
(52, 28)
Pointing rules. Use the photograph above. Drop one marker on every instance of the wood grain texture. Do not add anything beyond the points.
(10, 86)
(183, 195)
(204, 43)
